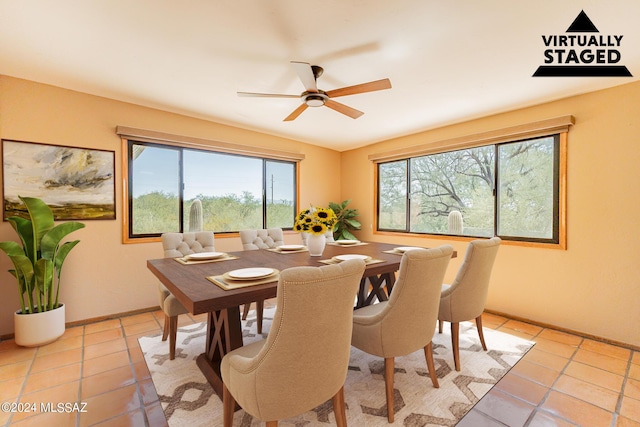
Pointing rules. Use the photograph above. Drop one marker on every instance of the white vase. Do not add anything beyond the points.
(32, 330)
(316, 244)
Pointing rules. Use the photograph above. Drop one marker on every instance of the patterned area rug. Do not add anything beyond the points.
(188, 399)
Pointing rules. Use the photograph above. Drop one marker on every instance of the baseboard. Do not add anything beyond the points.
(566, 330)
(96, 319)
(111, 316)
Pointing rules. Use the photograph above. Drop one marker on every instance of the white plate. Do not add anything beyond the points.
(403, 249)
(351, 256)
(250, 273)
(204, 255)
(347, 242)
(290, 247)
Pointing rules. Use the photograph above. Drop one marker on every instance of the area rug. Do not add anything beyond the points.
(188, 399)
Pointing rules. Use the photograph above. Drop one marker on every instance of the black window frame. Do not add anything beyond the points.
(264, 161)
(556, 196)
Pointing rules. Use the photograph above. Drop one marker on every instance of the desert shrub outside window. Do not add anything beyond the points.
(510, 189)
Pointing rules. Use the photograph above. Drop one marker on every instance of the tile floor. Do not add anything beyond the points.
(565, 380)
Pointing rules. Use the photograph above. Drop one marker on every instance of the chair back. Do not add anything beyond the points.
(467, 296)
(180, 244)
(414, 301)
(261, 239)
(304, 360)
(407, 321)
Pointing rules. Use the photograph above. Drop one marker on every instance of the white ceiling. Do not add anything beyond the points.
(448, 61)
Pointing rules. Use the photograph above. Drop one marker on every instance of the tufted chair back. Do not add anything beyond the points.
(303, 362)
(261, 239)
(180, 244)
(177, 245)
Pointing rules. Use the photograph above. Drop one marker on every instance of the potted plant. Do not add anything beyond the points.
(344, 221)
(37, 269)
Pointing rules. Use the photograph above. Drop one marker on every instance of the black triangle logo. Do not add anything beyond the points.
(582, 24)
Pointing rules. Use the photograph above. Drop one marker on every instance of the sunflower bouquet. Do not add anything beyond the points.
(315, 220)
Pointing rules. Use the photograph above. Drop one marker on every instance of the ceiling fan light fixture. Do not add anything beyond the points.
(314, 100)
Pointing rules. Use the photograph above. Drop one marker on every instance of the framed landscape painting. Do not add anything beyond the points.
(77, 183)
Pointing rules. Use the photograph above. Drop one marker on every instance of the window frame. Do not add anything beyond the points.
(181, 143)
(557, 126)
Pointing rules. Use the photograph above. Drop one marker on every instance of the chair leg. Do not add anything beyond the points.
(428, 355)
(165, 328)
(338, 408)
(388, 382)
(228, 406)
(173, 334)
(440, 323)
(455, 335)
(259, 310)
(480, 333)
(245, 310)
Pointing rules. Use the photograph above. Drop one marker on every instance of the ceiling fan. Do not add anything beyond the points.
(314, 97)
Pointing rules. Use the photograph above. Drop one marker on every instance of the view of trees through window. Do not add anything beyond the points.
(520, 201)
(232, 192)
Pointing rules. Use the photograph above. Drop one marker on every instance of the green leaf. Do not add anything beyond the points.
(41, 219)
(25, 231)
(44, 280)
(11, 248)
(353, 224)
(347, 235)
(62, 254)
(24, 274)
(52, 239)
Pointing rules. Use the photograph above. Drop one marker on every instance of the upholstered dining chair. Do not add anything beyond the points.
(252, 240)
(268, 238)
(466, 297)
(407, 321)
(303, 361)
(177, 245)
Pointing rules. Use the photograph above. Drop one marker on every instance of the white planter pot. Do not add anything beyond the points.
(316, 244)
(32, 330)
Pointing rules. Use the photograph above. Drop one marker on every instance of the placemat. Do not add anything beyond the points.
(203, 261)
(227, 284)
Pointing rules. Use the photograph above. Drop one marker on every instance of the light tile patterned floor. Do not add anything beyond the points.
(565, 380)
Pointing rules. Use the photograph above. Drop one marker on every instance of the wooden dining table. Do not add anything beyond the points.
(189, 284)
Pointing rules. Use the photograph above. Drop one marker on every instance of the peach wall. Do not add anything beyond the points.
(102, 276)
(594, 286)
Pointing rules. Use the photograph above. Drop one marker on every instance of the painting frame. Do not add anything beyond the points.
(78, 183)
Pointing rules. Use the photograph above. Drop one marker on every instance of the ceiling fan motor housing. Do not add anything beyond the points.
(313, 99)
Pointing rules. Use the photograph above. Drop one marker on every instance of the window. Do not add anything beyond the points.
(169, 185)
(509, 189)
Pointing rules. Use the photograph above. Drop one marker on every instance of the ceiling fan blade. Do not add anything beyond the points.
(341, 108)
(267, 95)
(306, 75)
(296, 113)
(361, 88)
